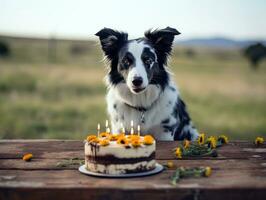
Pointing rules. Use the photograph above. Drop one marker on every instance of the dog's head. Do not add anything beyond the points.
(137, 62)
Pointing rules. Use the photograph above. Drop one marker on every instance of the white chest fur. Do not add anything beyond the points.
(160, 103)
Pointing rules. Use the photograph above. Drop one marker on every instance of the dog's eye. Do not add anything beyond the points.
(148, 61)
(126, 62)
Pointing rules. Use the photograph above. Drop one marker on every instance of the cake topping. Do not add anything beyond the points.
(104, 134)
(95, 140)
(133, 137)
(135, 143)
(104, 142)
(113, 137)
(91, 137)
(148, 139)
(122, 140)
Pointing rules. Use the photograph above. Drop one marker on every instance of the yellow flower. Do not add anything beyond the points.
(259, 140)
(223, 139)
(91, 137)
(113, 137)
(135, 143)
(211, 141)
(148, 139)
(104, 142)
(208, 171)
(27, 157)
(122, 140)
(178, 152)
(186, 144)
(104, 134)
(201, 138)
(170, 164)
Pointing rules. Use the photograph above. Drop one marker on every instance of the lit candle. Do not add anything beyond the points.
(138, 130)
(98, 129)
(123, 129)
(132, 129)
(106, 125)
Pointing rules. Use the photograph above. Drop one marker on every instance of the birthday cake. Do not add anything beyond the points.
(119, 154)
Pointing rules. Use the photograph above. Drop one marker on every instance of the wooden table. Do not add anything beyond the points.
(239, 172)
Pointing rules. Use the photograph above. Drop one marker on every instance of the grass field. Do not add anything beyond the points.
(62, 96)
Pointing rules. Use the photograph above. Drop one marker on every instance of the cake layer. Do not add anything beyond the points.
(121, 168)
(111, 159)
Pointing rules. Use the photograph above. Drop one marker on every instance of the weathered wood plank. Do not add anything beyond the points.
(181, 193)
(223, 178)
(72, 149)
(53, 164)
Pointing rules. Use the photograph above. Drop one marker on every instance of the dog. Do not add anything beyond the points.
(140, 87)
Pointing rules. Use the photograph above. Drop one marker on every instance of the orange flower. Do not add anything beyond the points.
(27, 157)
(113, 137)
(148, 139)
(122, 140)
(104, 134)
(133, 137)
(95, 140)
(135, 143)
(104, 142)
(91, 137)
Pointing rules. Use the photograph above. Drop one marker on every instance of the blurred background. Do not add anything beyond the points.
(51, 69)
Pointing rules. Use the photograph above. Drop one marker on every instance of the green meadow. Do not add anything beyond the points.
(55, 89)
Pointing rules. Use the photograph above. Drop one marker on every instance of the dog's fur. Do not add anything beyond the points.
(140, 87)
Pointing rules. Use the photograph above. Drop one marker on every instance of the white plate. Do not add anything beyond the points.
(158, 168)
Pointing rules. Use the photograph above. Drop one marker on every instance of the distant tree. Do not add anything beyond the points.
(190, 53)
(4, 49)
(255, 54)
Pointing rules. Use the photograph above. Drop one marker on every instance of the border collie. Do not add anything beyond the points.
(140, 87)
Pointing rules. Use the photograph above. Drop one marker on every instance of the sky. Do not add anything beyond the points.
(236, 19)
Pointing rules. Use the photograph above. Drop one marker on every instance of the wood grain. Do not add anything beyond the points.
(238, 173)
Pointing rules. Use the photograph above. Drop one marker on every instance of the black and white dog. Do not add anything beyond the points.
(140, 87)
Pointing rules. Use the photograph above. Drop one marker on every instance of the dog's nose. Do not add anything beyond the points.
(137, 81)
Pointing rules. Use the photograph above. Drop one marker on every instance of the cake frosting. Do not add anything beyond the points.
(112, 154)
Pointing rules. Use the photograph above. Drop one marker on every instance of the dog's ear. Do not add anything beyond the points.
(162, 40)
(111, 41)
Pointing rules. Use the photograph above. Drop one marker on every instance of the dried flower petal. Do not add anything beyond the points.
(178, 152)
(170, 164)
(186, 144)
(27, 157)
(208, 171)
